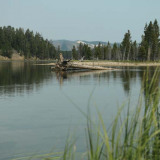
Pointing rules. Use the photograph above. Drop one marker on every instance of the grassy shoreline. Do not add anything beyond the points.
(121, 63)
(90, 62)
(111, 63)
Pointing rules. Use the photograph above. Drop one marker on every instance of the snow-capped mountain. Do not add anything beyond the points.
(85, 42)
(67, 45)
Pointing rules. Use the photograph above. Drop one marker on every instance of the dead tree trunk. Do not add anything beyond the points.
(64, 65)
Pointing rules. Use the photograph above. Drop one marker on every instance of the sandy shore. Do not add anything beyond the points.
(109, 63)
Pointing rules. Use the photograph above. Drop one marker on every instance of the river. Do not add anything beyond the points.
(38, 107)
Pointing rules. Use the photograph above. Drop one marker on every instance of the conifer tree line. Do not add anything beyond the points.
(26, 43)
(30, 44)
(147, 50)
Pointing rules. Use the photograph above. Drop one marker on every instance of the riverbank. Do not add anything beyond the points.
(18, 57)
(111, 63)
(105, 63)
(14, 57)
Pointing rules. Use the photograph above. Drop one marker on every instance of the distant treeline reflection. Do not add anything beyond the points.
(21, 76)
(127, 76)
(18, 77)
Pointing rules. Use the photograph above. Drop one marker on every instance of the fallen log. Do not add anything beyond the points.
(64, 65)
(87, 67)
(72, 66)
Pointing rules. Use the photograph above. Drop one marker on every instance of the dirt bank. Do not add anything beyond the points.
(15, 57)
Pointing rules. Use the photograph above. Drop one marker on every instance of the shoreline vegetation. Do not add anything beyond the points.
(16, 57)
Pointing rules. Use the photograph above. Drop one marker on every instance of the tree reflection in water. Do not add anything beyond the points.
(18, 77)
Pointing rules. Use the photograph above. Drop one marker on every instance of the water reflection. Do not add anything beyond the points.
(38, 121)
(127, 76)
(61, 76)
(20, 77)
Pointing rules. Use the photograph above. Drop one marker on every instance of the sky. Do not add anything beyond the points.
(91, 20)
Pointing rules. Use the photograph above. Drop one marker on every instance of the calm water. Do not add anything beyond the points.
(39, 107)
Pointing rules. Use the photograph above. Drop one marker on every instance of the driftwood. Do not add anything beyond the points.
(64, 65)
(78, 66)
(74, 66)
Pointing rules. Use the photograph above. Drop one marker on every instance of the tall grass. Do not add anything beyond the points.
(135, 136)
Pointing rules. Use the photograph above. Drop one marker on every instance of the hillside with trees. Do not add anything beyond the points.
(25, 43)
(127, 50)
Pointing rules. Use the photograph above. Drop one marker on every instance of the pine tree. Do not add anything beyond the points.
(150, 40)
(98, 53)
(104, 52)
(74, 53)
(142, 53)
(126, 46)
(88, 53)
(80, 49)
(108, 51)
(156, 41)
(134, 51)
(114, 51)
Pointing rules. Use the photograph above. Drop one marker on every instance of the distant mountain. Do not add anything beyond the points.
(67, 45)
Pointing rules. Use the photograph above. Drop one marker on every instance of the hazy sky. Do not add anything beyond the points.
(102, 20)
